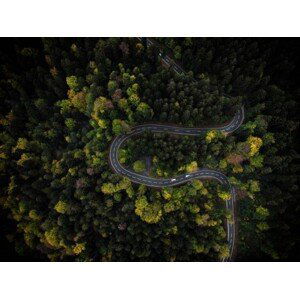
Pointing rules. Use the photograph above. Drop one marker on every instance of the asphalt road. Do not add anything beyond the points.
(202, 173)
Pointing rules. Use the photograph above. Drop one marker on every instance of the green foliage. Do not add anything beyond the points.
(119, 126)
(21, 144)
(223, 164)
(224, 195)
(61, 207)
(263, 226)
(112, 86)
(210, 136)
(255, 143)
(149, 212)
(70, 123)
(52, 238)
(33, 214)
(253, 186)
(134, 99)
(78, 248)
(139, 166)
(257, 161)
(108, 188)
(262, 212)
(198, 185)
(193, 166)
(73, 83)
(63, 102)
(144, 112)
(166, 193)
(202, 219)
(223, 252)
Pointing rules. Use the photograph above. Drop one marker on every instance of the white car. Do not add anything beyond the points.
(187, 175)
(173, 180)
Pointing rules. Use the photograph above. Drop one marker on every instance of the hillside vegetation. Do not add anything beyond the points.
(63, 100)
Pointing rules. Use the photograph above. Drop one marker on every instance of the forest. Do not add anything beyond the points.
(64, 100)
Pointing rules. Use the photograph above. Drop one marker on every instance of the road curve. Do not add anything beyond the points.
(202, 173)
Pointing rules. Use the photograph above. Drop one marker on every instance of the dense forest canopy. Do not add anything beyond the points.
(63, 100)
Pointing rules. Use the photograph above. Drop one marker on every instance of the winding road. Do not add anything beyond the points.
(203, 173)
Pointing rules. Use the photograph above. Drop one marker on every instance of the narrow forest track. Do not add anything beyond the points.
(203, 173)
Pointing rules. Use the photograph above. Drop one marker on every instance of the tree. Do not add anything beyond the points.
(262, 212)
(210, 135)
(108, 188)
(255, 143)
(253, 186)
(112, 87)
(64, 100)
(223, 164)
(134, 99)
(166, 193)
(150, 213)
(257, 161)
(52, 238)
(224, 195)
(139, 166)
(78, 248)
(73, 83)
(144, 112)
(192, 167)
(202, 219)
(61, 207)
(223, 252)
(119, 127)
(263, 226)
(197, 184)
